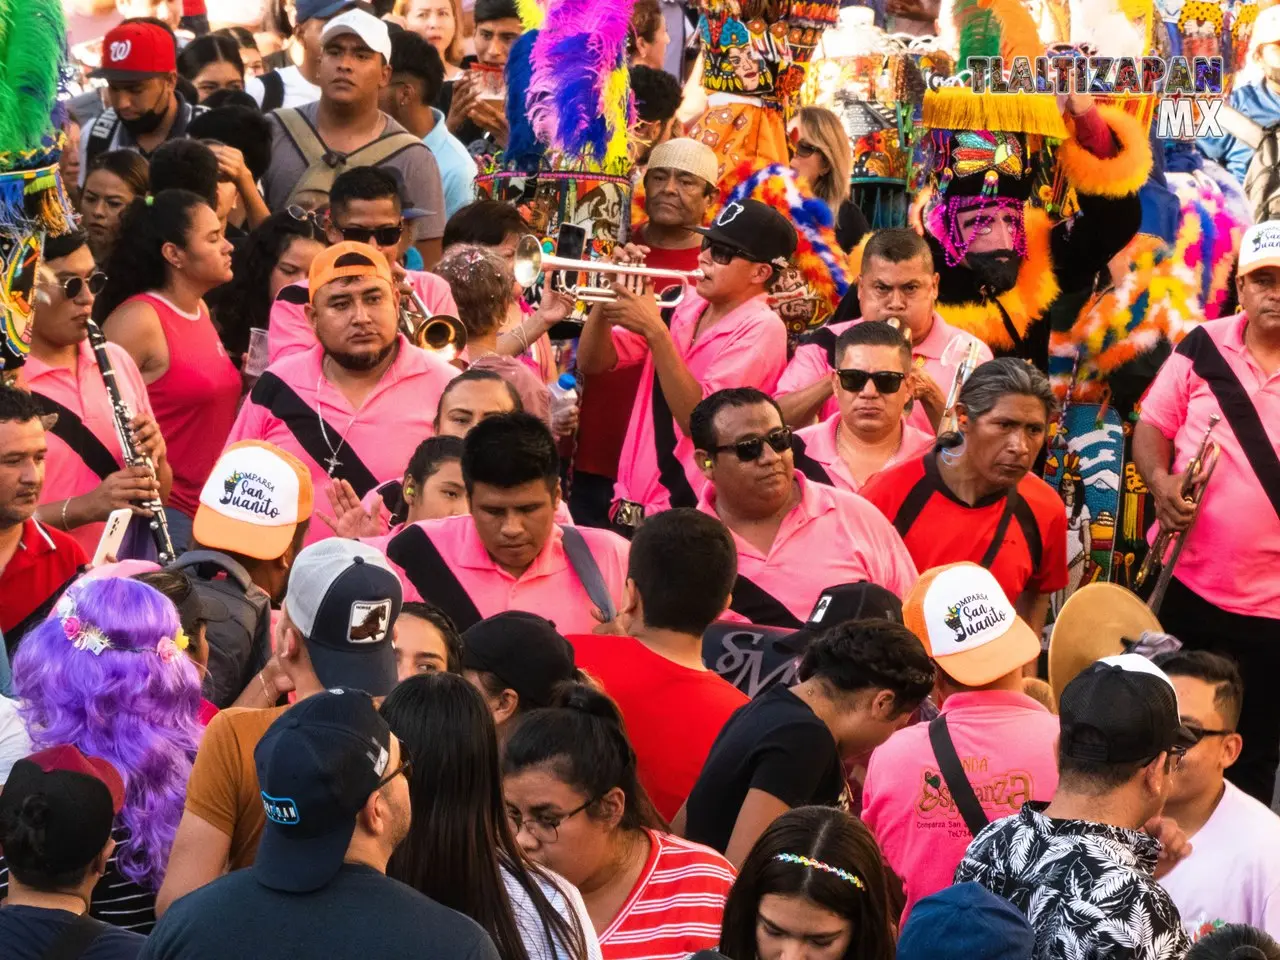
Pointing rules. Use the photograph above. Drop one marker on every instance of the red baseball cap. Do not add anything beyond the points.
(137, 50)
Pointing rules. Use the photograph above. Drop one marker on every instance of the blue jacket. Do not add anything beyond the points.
(1257, 102)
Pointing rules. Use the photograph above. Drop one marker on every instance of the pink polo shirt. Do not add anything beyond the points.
(549, 588)
(746, 348)
(83, 392)
(1007, 744)
(830, 537)
(289, 331)
(810, 364)
(382, 434)
(820, 445)
(1232, 555)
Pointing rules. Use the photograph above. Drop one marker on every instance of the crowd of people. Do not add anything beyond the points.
(361, 598)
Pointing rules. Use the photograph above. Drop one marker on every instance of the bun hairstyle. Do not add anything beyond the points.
(582, 739)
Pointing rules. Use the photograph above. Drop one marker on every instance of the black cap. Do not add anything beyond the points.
(1121, 709)
(523, 650)
(317, 765)
(842, 603)
(756, 230)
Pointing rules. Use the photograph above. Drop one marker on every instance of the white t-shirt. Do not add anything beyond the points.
(297, 88)
(14, 742)
(1233, 872)
(567, 902)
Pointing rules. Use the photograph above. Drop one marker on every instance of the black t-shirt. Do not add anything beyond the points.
(361, 915)
(775, 743)
(27, 932)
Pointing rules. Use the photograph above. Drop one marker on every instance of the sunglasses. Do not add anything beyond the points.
(779, 441)
(405, 767)
(72, 287)
(805, 149)
(886, 381)
(387, 236)
(721, 253)
(1199, 733)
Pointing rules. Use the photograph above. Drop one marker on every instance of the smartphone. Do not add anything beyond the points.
(112, 536)
(570, 243)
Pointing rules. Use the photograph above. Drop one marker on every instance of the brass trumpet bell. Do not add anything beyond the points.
(441, 334)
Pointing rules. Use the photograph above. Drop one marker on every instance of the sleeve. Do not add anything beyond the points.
(788, 762)
(631, 348)
(1052, 574)
(215, 776)
(422, 183)
(806, 368)
(756, 357)
(1165, 404)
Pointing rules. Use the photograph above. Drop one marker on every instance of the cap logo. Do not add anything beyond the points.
(381, 760)
(729, 214)
(973, 615)
(120, 50)
(820, 610)
(369, 620)
(251, 493)
(281, 810)
(1264, 238)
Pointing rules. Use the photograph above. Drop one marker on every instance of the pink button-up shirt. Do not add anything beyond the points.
(83, 392)
(745, 348)
(809, 365)
(289, 331)
(820, 445)
(382, 434)
(830, 537)
(549, 588)
(1232, 554)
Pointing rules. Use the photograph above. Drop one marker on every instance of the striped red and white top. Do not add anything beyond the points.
(676, 905)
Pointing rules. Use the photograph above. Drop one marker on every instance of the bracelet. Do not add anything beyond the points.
(267, 690)
(65, 504)
(521, 336)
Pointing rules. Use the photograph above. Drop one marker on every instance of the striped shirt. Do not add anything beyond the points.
(116, 900)
(676, 905)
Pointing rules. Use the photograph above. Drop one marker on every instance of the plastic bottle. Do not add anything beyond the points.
(564, 392)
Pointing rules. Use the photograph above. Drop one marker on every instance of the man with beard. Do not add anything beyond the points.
(356, 405)
(139, 63)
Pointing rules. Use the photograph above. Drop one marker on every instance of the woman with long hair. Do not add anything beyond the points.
(439, 22)
(823, 159)
(114, 180)
(106, 673)
(460, 851)
(573, 796)
(212, 63)
(153, 306)
(813, 886)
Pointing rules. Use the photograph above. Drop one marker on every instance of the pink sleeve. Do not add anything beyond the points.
(288, 331)
(435, 293)
(631, 348)
(1165, 405)
(251, 423)
(756, 357)
(806, 368)
(893, 567)
(1094, 135)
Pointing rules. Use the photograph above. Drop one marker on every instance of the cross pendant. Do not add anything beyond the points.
(333, 463)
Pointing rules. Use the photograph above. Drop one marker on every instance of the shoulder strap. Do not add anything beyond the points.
(198, 558)
(914, 502)
(414, 552)
(962, 795)
(382, 149)
(1026, 518)
(70, 429)
(761, 607)
(101, 134)
(810, 467)
(584, 565)
(1240, 413)
(302, 134)
(670, 470)
(74, 940)
(1011, 501)
(272, 91)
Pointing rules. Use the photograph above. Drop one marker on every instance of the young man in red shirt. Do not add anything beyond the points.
(679, 576)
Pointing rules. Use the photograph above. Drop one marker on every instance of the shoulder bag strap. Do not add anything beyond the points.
(810, 467)
(75, 939)
(382, 149)
(966, 801)
(198, 558)
(1011, 501)
(414, 552)
(584, 565)
(913, 503)
(70, 429)
(761, 607)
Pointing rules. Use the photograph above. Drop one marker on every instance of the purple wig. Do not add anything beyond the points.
(133, 703)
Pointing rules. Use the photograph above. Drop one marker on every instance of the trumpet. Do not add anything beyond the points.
(531, 262)
(439, 333)
(1195, 480)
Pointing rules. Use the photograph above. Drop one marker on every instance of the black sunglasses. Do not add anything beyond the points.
(779, 441)
(1199, 733)
(722, 253)
(387, 236)
(805, 149)
(72, 287)
(886, 381)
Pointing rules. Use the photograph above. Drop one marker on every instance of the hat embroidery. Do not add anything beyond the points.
(369, 621)
(281, 810)
(120, 50)
(729, 214)
(255, 494)
(972, 615)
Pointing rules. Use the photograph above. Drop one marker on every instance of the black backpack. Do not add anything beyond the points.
(240, 644)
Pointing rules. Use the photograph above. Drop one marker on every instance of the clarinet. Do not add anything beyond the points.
(121, 417)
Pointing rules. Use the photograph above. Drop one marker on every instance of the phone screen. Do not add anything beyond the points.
(570, 243)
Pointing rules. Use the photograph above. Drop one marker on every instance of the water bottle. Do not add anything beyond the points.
(564, 392)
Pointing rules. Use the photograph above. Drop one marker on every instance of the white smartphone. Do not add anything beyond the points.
(112, 536)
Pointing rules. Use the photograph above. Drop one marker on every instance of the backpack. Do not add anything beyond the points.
(323, 164)
(1262, 178)
(239, 644)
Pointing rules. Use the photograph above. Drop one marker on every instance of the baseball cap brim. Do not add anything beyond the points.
(300, 864)
(1017, 646)
(1258, 264)
(126, 76)
(711, 233)
(217, 532)
(374, 673)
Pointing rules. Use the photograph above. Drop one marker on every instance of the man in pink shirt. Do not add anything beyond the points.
(85, 477)
(509, 553)
(898, 281)
(794, 537)
(356, 405)
(930, 787)
(722, 335)
(364, 207)
(1225, 595)
(869, 433)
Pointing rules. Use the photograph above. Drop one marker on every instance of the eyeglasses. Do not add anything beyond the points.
(1199, 732)
(721, 253)
(545, 828)
(779, 441)
(386, 236)
(886, 381)
(805, 149)
(311, 218)
(405, 767)
(72, 287)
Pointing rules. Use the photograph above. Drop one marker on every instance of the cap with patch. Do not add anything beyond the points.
(317, 765)
(253, 501)
(523, 650)
(1260, 247)
(347, 259)
(755, 230)
(965, 621)
(373, 33)
(344, 598)
(137, 50)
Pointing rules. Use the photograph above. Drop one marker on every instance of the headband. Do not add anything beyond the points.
(85, 636)
(819, 865)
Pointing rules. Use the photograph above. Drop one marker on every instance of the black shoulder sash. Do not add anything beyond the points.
(430, 575)
(825, 339)
(70, 429)
(761, 607)
(670, 470)
(810, 467)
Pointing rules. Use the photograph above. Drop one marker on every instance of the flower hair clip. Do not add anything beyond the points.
(83, 636)
(819, 865)
(168, 648)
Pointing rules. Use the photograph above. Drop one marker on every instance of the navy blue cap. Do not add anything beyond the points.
(317, 765)
(966, 922)
(322, 9)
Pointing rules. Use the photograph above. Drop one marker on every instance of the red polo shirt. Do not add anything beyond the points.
(45, 561)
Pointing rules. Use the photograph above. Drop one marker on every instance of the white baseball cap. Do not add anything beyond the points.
(372, 31)
(253, 501)
(1266, 28)
(965, 621)
(1261, 244)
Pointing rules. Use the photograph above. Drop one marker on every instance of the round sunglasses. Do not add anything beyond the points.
(72, 287)
(886, 381)
(779, 441)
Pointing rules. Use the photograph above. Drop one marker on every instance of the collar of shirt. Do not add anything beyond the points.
(409, 362)
(1133, 848)
(974, 700)
(816, 500)
(549, 561)
(35, 368)
(935, 342)
(439, 135)
(684, 321)
(35, 540)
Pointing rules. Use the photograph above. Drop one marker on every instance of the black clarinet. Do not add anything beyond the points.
(121, 417)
